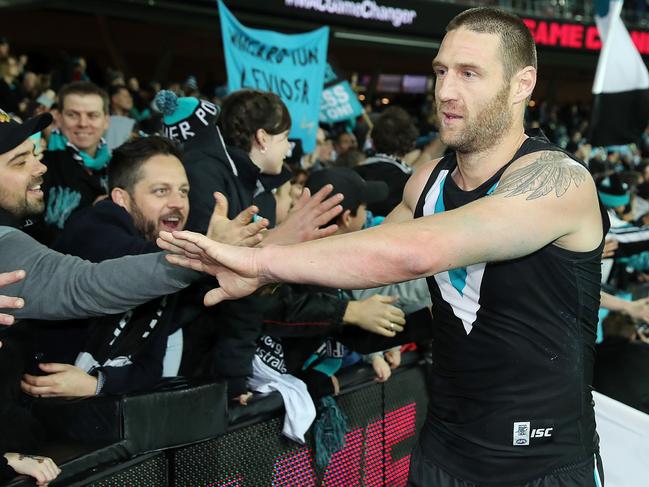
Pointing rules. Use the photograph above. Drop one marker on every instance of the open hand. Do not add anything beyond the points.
(376, 314)
(241, 231)
(306, 217)
(235, 268)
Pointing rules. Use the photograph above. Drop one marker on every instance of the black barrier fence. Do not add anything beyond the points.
(383, 423)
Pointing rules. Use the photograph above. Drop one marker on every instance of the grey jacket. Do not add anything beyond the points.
(413, 295)
(59, 287)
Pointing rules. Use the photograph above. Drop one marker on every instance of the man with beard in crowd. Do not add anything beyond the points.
(149, 192)
(508, 230)
(57, 287)
(51, 286)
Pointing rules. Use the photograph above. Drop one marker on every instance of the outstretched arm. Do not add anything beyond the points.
(543, 198)
(60, 286)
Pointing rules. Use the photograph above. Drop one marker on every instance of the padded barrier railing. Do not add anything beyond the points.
(183, 436)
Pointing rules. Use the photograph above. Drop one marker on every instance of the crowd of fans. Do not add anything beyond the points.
(633, 11)
(123, 162)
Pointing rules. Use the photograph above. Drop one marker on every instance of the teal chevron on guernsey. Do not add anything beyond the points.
(456, 276)
(460, 287)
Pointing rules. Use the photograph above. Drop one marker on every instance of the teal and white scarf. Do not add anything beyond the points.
(58, 141)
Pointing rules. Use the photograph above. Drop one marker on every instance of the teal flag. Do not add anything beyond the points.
(339, 102)
(290, 65)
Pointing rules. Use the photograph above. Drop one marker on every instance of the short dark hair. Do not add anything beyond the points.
(126, 161)
(351, 158)
(83, 88)
(394, 133)
(516, 42)
(246, 111)
(115, 89)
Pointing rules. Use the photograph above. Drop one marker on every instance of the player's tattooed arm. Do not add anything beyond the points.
(551, 172)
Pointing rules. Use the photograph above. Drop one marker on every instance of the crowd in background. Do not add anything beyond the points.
(126, 159)
(633, 12)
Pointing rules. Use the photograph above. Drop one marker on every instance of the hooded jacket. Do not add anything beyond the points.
(222, 341)
(212, 166)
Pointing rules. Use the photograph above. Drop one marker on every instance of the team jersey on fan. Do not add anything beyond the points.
(513, 352)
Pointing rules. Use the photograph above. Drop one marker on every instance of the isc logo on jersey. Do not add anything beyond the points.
(541, 432)
(523, 434)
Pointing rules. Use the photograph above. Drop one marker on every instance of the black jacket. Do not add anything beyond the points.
(211, 167)
(101, 232)
(9, 220)
(68, 187)
(304, 311)
(222, 341)
(303, 317)
(106, 231)
(19, 431)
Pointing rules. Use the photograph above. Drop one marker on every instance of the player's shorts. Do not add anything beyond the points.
(587, 473)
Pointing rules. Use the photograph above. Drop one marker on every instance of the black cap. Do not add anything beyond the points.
(348, 182)
(12, 133)
(613, 191)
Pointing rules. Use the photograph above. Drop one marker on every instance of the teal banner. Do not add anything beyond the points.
(339, 102)
(290, 65)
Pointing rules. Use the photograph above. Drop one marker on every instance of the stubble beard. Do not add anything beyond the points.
(488, 128)
(23, 208)
(147, 228)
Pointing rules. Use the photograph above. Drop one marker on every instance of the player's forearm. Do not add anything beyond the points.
(370, 258)
(613, 303)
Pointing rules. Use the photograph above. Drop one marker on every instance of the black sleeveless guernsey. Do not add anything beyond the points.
(513, 351)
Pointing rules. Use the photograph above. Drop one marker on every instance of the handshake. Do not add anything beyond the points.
(229, 242)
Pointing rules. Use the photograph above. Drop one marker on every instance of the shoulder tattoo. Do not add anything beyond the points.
(551, 172)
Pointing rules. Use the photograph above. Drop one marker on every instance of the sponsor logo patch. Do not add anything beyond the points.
(526, 432)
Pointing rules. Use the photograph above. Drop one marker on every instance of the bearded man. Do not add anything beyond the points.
(148, 193)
